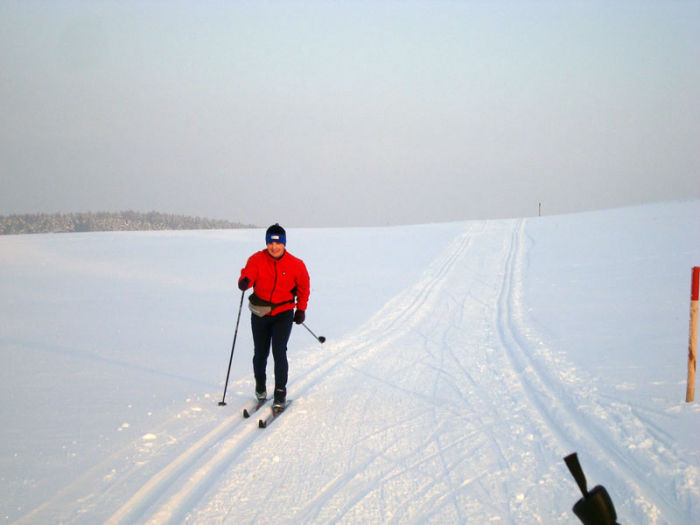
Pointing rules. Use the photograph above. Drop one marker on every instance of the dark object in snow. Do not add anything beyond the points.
(253, 407)
(233, 346)
(274, 413)
(318, 338)
(596, 507)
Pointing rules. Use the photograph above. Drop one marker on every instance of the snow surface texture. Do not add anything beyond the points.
(463, 362)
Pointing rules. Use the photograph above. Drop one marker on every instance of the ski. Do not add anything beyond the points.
(274, 414)
(253, 407)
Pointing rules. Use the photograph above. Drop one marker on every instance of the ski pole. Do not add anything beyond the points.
(319, 339)
(230, 360)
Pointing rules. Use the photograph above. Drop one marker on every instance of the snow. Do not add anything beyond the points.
(463, 361)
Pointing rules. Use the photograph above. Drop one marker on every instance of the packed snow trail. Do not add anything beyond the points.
(154, 503)
(450, 355)
(448, 405)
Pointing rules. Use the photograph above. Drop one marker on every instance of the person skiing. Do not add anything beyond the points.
(280, 284)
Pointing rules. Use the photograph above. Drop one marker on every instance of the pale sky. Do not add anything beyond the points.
(347, 113)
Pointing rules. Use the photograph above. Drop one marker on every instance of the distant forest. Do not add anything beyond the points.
(107, 221)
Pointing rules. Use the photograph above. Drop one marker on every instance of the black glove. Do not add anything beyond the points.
(299, 316)
(243, 284)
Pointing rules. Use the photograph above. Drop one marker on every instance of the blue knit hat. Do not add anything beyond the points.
(276, 233)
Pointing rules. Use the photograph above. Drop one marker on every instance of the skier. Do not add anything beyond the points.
(280, 283)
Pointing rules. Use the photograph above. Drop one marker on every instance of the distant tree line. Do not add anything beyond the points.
(107, 221)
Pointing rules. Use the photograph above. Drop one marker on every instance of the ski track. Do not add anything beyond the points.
(576, 429)
(451, 474)
(198, 465)
(155, 503)
(403, 315)
(529, 408)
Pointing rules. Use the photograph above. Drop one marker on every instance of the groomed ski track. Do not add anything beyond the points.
(455, 353)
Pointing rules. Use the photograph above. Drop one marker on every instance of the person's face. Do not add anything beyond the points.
(276, 249)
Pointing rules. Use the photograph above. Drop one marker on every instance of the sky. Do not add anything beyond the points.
(349, 113)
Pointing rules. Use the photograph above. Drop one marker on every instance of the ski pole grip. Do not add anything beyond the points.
(577, 472)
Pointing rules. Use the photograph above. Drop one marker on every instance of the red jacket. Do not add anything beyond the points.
(278, 280)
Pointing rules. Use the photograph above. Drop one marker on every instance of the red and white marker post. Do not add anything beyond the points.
(693, 340)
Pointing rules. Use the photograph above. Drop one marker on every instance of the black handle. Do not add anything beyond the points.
(577, 472)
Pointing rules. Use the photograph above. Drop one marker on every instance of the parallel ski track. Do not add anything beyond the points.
(169, 494)
(155, 502)
(573, 429)
(390, 322)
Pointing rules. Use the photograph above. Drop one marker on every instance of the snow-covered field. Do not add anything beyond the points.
(462, 362)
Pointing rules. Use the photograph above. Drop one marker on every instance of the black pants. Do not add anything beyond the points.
(271, 331)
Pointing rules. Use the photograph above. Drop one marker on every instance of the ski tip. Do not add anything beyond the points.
(245, 413)
(261, 423)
